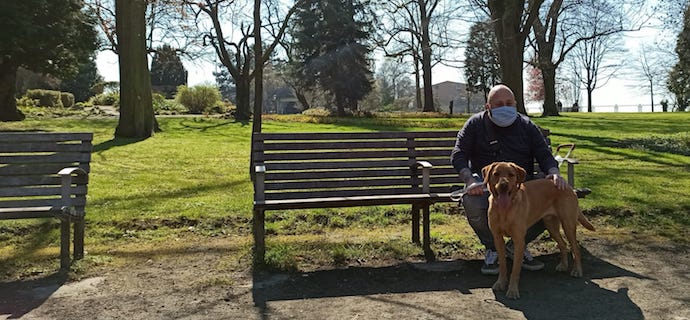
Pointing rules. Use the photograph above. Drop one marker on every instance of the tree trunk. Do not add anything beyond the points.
(243, 96)
(426, 63)
(511, 30)
(136, 107)
(258, 69)
(549, 77)
(8, 105)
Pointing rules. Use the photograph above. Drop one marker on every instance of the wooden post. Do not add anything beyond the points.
(415, 223)
(259, 237)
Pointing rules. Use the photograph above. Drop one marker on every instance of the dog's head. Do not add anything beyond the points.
(503, 179)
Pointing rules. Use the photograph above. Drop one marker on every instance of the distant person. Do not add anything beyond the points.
(559, 104)
(450, 106)
(576, 108)
(499, 134)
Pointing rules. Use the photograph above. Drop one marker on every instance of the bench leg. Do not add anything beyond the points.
(426, 244)
(64, 243)
(415, 223)
(259, 237)
(79, 239)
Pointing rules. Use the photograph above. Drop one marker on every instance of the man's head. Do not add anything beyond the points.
(500, 96)
(501, 105)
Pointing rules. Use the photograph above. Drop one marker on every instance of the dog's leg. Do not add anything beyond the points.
(518, 254)
(502, 282)
(554, 226)
(570, 230)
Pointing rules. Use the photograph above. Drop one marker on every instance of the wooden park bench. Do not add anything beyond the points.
(45, 175)
(327, 170)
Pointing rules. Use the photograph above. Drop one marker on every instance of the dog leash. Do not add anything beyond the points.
(457, 194)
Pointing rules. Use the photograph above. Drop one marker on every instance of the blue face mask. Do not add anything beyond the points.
(503, 116)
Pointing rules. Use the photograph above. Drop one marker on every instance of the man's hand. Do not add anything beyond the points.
(475, 188)
(560, 183)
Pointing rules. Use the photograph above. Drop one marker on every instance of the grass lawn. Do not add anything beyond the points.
(192, 181)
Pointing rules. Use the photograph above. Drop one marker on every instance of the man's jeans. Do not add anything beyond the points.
(476, 208)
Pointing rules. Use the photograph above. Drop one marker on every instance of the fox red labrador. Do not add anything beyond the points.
(515, 205)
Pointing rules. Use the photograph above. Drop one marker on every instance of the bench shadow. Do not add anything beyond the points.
(544, 295)
(18, 298)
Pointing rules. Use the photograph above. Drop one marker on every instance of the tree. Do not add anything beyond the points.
(394, 81)
(535, 84)
(331, 41)
(482, 69)
(597, 59)
(136, 105)
(46, 36)
(512, 20)
(85, 83)
(226, 85)
(648, 73)
(564, 24)
(679, 78)
(167, 71)
(236, 50)
(423, 30)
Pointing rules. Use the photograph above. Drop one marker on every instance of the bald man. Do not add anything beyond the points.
(514, 138)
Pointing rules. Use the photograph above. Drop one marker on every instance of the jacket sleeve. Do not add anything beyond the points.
(464, 145)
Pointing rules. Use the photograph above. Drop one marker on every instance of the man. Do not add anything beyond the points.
(499, 134)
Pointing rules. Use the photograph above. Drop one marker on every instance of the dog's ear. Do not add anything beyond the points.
(521, 173)
(486, 172)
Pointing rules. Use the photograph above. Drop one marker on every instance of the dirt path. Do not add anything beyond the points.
(622, 281)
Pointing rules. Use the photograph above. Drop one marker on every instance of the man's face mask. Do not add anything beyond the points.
(503, 116)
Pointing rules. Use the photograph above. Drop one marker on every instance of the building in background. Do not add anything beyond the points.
(455, 92)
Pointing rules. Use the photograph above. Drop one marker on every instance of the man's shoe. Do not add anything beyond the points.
(490, 266)
(528, 262)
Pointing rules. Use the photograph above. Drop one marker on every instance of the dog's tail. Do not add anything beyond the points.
(585, 223)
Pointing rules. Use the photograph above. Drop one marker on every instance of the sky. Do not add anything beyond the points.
(621, 91)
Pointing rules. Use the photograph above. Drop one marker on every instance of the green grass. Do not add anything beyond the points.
(192, 179)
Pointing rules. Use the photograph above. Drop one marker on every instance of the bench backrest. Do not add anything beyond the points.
(29, 163)
(317, 165)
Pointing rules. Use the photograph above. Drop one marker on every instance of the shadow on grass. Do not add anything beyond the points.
(115, 142)
(544, 295)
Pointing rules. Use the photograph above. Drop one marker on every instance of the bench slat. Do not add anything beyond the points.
(343, 201)
(76, 201)
(335, 145)
(45, 136)
(39, 191)
(324, 165)
(353, 135)
(28, 213)
(331, 184)
(38, 168)
(44, 180)
(344, 155)
(402, 191)
(47, 158)
(45, 147)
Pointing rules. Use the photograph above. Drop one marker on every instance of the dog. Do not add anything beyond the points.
(515, 205)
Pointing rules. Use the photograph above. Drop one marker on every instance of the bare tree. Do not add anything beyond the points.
(563, 25)
(423, 30)
(597, 62)
(512, 20)
(227, 27)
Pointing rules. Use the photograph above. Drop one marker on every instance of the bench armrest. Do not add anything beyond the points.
(66, 188)
(426, 173)
(259, 174)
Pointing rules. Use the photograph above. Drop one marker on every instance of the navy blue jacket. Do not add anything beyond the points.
(521, 143)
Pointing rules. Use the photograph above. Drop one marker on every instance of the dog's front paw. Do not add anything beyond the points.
(499, 285)
(577, 272)
(513, 293)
